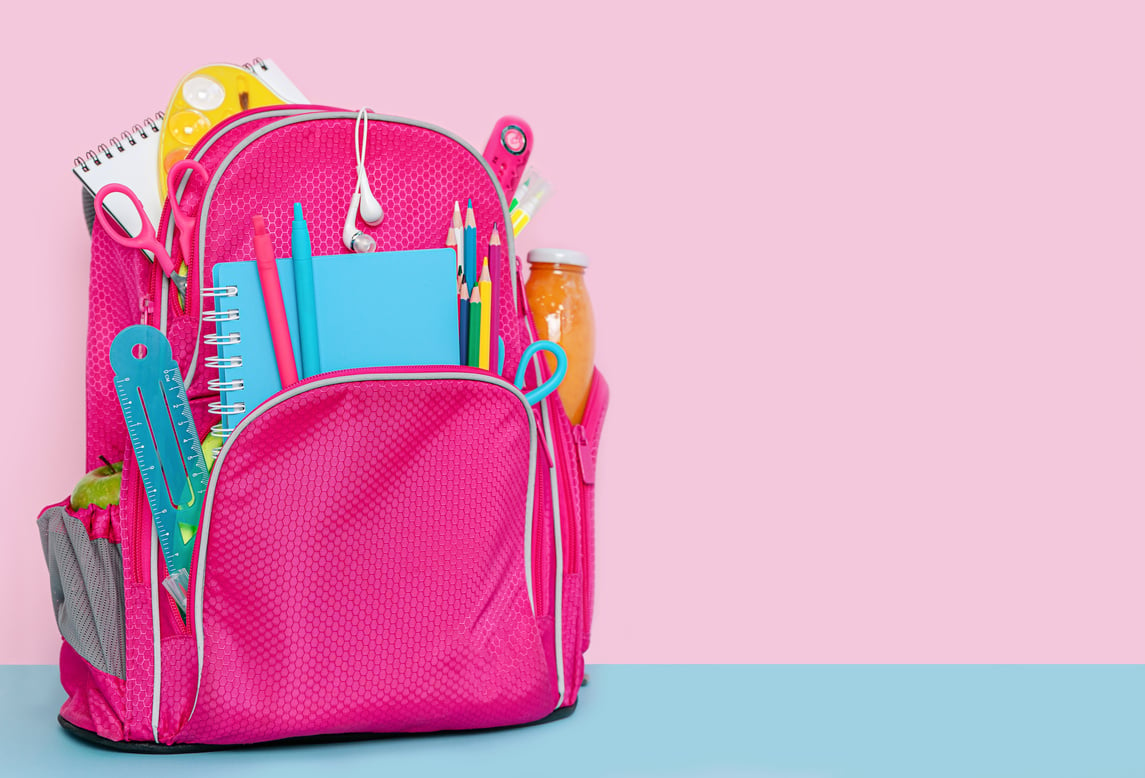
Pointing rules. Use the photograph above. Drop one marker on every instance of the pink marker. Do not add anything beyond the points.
(272, 297)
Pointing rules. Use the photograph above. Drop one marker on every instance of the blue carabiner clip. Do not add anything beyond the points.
(545, 389)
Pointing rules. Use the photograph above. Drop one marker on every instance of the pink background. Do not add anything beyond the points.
(868, 283)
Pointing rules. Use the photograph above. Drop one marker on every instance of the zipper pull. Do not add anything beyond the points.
(146, 308)
(584, 454)
(521, 303)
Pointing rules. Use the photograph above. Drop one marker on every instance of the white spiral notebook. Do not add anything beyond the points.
(130, 157)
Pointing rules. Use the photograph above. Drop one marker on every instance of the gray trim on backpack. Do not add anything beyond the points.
(554, 495)
(86, 576)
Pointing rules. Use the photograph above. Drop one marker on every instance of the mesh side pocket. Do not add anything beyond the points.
(87, 589)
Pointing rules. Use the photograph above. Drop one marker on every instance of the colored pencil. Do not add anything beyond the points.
(474, 328)
(463, 323)
(485, 287)
(495, 298)
(451, 243)
(470, 246)
(458, 243)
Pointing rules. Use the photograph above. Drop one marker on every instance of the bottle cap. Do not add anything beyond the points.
(558, 257)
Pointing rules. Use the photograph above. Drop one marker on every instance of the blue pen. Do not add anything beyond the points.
(303, 262)
(470, 246)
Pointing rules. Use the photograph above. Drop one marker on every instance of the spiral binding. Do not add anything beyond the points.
(230, 339)
(217, 385)
(125, 140)
(217, 362)
(227, 408)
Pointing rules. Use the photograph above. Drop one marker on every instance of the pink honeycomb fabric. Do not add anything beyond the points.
(365, 567)
(118, 289)
(95, 699)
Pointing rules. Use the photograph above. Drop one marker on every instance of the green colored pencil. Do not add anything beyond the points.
(474, 327)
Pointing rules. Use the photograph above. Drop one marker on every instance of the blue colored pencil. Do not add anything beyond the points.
(300, 255)
(470, 245)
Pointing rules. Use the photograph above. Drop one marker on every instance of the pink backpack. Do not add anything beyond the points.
(381, 550)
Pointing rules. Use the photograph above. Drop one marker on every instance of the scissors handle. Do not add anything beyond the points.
(184, 221)
(545, 389)
(146, 238)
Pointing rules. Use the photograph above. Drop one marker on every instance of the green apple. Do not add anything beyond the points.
(211, 445)
(99, 487)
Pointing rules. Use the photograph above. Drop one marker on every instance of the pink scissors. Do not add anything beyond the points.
(147, 239)
(184, 222)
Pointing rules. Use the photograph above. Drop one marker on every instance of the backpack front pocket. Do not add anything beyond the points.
(364, 563)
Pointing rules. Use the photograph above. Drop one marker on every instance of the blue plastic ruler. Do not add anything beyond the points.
(166, 443)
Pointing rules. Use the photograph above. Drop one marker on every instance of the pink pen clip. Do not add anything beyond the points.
(184, 222)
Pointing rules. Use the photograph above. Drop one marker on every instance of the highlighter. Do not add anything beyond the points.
(303, 261)
(538, 191)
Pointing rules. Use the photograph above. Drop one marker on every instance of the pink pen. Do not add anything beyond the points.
(272, 297)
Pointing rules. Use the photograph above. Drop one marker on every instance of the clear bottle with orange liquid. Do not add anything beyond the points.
(562, 313)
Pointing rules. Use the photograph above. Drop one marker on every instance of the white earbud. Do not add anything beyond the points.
(371, 208)
(363, 200)
(353, 238)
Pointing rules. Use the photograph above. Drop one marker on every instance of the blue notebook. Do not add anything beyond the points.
(374, 310)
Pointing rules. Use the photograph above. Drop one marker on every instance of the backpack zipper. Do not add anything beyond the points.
(195, 597)
(397, 373)
(197, 243)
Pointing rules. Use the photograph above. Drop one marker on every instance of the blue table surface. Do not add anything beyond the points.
(713, 720)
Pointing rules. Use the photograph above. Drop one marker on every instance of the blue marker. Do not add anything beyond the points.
(303, 261)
